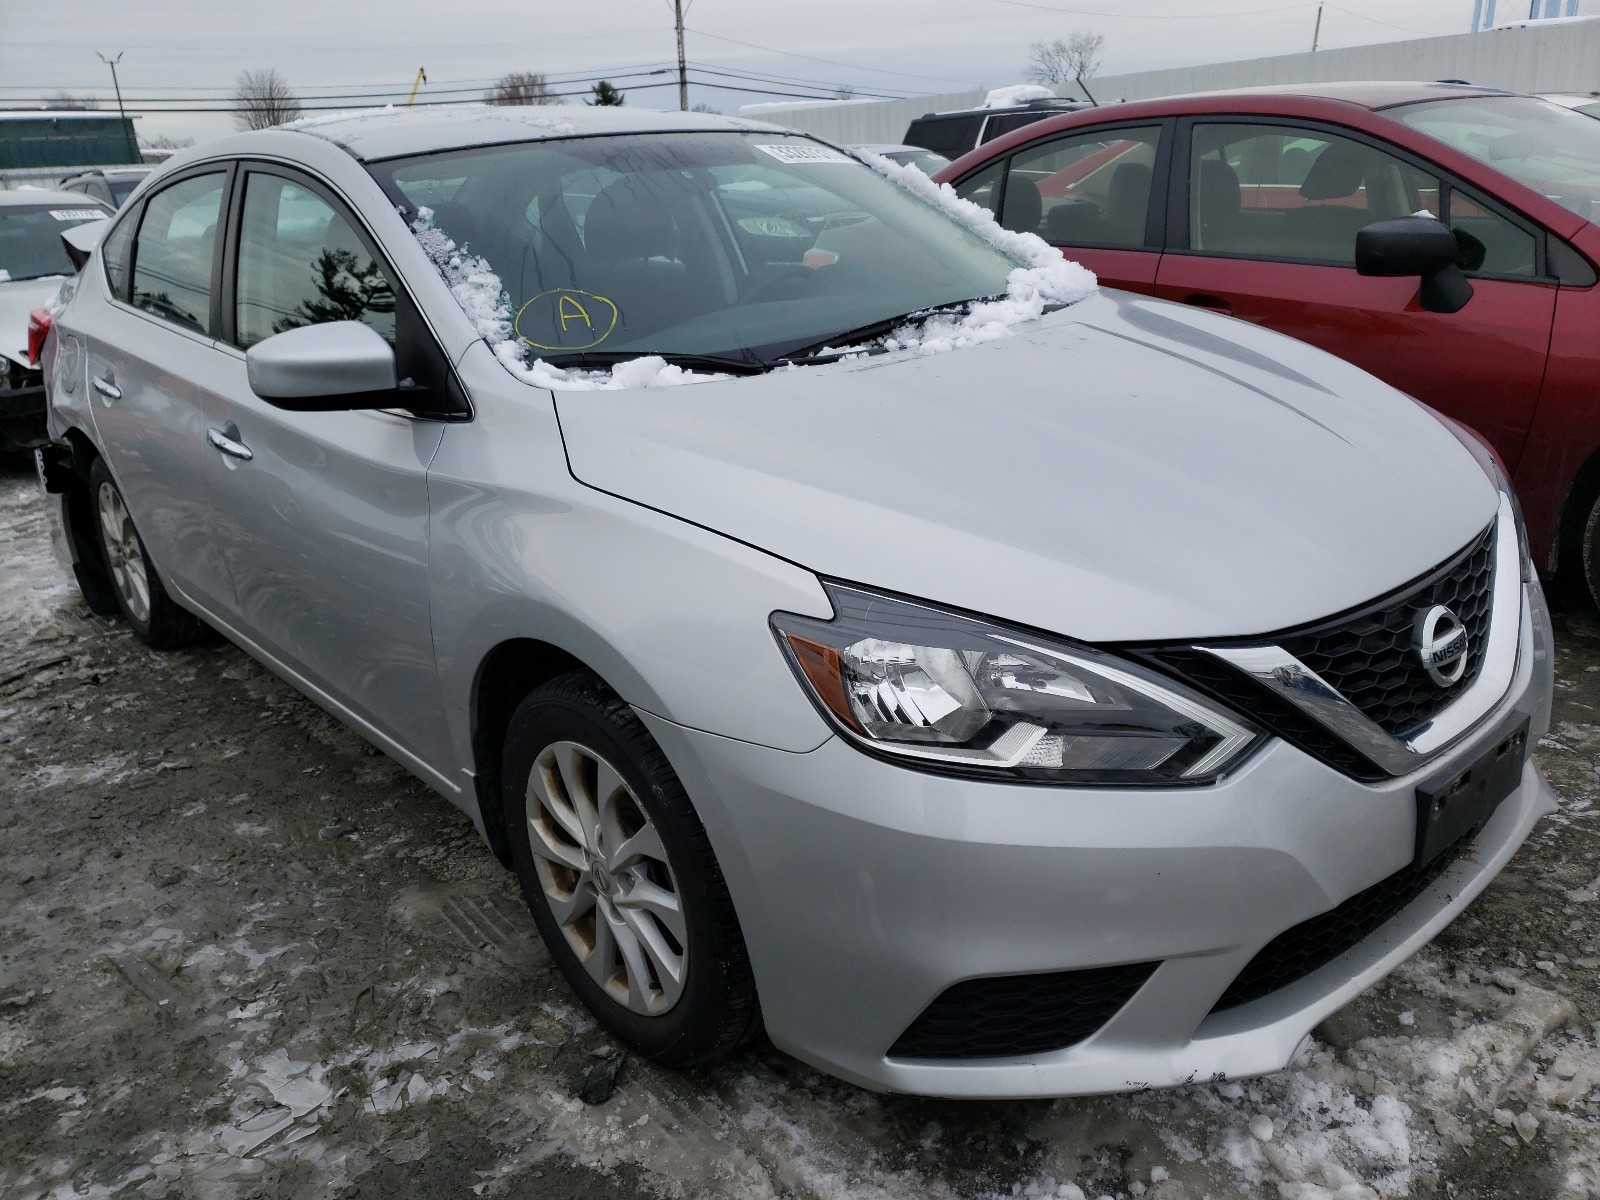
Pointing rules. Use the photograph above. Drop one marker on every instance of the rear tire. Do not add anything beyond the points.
(1589, 551)
(620, 876)
(154, 616)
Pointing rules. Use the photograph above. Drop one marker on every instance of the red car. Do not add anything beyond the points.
(1297, 207)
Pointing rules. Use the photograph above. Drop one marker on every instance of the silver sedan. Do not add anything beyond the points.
(844, 620)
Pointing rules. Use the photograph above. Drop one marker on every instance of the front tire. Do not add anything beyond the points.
(620, 876)
(154, 616)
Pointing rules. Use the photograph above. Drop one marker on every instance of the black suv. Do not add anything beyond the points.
(952, 134)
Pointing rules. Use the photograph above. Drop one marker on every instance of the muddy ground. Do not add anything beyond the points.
(242, 954)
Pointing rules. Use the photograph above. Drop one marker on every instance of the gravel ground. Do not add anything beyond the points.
(242, 954)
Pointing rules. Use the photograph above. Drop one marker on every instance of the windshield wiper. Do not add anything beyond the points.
(836, 345)
(593, 360)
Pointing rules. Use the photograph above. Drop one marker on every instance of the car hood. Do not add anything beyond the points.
(18, 298)
(1124, 469)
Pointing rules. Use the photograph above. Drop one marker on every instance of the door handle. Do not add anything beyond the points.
(1206, 300)
(230, 447)
(106, 388)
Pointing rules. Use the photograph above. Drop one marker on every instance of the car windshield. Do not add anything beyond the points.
(30, 238)
(1551, 149)
(746, 245)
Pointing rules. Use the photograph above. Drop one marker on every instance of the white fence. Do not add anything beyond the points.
(1539, 56)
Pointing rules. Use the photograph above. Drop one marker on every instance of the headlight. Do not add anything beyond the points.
(943, 690)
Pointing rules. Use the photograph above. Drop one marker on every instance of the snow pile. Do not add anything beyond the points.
(1044, 279)
(1017, 93)
(483, 298)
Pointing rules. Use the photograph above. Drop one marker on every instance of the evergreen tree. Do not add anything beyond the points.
(606, 95)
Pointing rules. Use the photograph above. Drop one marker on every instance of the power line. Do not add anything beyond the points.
(202, 105)
(830, 61)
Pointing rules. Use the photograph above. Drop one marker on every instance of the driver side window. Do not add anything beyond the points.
(302, 263)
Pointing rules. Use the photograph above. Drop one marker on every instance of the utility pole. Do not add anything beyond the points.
(683, 70)
(127, 134)
(1316, 30)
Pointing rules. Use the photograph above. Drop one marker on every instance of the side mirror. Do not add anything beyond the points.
(1416, 246)
(80, 241)
(333, 367)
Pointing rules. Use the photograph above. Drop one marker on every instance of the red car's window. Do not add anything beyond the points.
(1087, 189)
(1284, 192)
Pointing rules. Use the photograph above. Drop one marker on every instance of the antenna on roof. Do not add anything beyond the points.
(422, 78)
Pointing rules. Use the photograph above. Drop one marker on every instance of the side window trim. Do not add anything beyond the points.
(1177, 223)
(226, 169)
(125, 221)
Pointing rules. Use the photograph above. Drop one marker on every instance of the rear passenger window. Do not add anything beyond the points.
(302, 263)
(1091, 189)
(175, 250)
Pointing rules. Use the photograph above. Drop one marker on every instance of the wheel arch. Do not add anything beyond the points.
(508, 672)
(67, 462)
(1567, 555)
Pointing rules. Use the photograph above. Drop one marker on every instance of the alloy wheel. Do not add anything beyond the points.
(607, 878)
(123, 553)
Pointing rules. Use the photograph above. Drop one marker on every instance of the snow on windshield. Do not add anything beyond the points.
(1044, 280)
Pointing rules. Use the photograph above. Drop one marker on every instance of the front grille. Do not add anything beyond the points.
(1371, 659)
(1369, 656)
(1315, 943)
(1005, 1015)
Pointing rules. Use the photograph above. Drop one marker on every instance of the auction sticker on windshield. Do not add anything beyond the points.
(78, 214)
(791, 153)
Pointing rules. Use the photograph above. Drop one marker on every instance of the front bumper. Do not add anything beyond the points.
(864, 890)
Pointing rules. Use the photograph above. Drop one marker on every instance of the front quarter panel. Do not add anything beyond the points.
(672, 616)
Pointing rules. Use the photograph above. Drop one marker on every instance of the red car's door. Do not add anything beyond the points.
(1088, 192)
(1267, 233)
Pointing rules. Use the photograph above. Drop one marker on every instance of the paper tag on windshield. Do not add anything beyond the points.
(791, 152)
(77, 214)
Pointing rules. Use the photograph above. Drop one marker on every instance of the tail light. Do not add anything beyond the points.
(39, 322)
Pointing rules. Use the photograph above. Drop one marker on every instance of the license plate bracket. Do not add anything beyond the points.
(1452, 806)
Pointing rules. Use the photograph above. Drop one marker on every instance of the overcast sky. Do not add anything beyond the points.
(194, 48)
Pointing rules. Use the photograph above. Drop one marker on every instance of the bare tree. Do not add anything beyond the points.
(262, 99)
(521, 87)
(705, 108)
(163, 141)
(67, 102)
(844, 92)
(1065, 60)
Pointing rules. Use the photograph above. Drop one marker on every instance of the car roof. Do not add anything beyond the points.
(32, 196)
(110, 172)
(893, 148)
(1364, 93)
(396, 132)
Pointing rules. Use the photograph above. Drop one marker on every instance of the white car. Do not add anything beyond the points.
(33, 261)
